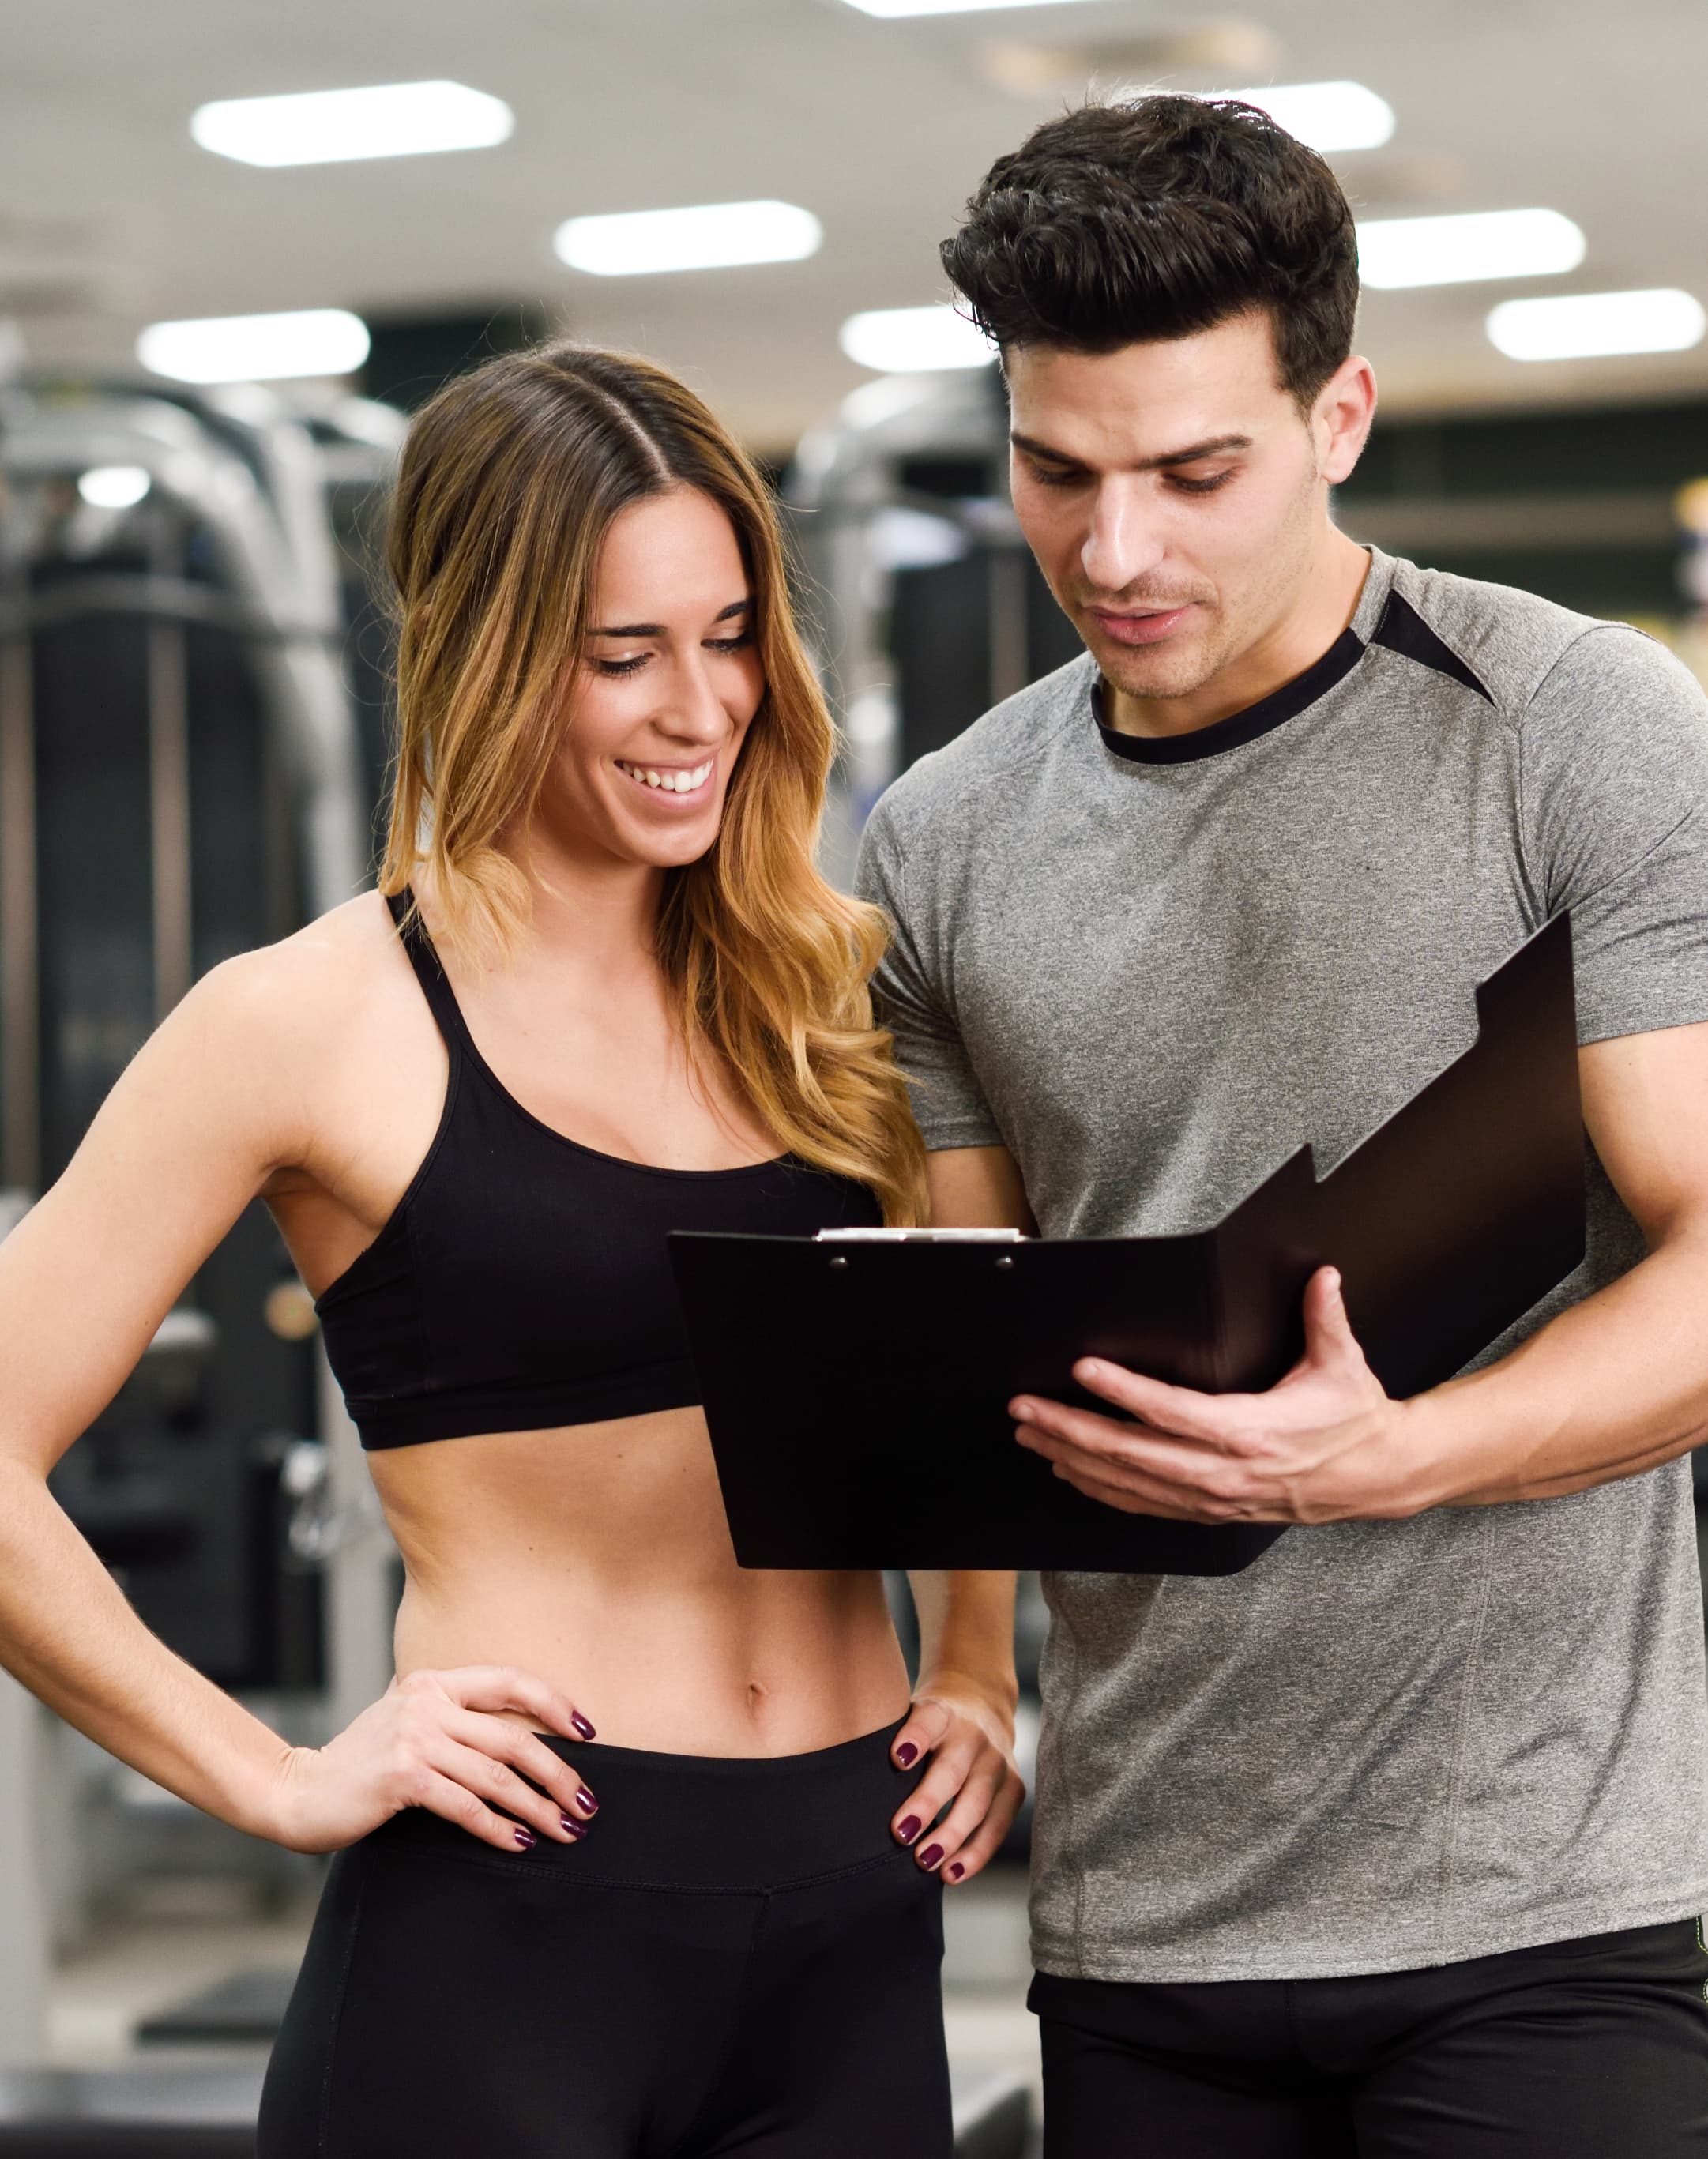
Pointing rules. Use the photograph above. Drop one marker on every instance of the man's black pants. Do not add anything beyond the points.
(1592, 2049)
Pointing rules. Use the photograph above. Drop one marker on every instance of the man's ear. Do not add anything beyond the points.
(1342, 417)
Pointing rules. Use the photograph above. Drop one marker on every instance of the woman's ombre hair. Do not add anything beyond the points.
(510, 480)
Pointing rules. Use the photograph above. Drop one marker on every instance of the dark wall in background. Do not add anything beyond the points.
(1576, 504)
(412, 356)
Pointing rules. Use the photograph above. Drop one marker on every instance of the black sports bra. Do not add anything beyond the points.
(522, 1281)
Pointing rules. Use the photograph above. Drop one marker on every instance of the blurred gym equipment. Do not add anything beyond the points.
(190, 740)
(930, 606)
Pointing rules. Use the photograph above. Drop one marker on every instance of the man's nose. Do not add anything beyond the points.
(1123, 544)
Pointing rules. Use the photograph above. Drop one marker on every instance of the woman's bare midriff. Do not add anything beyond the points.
(598, 1557)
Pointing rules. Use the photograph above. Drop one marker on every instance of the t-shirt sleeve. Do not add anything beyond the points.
(912, 1002)
(1613, 795)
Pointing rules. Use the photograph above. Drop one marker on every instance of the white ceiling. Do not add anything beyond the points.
(110, 217)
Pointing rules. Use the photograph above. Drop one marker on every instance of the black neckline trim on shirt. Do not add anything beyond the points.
(1239, 728)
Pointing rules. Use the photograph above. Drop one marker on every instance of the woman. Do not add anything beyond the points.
(604, 995)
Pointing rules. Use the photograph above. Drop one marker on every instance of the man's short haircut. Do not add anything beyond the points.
(1155, 217)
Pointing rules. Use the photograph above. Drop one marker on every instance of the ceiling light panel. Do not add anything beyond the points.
(256, 348)
(914, 340)
(1397, 252)
(1597, 325)
(327, 126)
(113, 487)
(706, 237)
(1327, 116)
(895, 8)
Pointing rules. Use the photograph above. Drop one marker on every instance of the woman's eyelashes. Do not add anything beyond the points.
(632, 664)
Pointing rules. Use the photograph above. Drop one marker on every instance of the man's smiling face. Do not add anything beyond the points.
(1173, 494)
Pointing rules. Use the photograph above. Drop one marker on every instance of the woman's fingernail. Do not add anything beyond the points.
(910, 1829)
(956, 1872)
(526, 1839)
(586, 1801)
(575, 1829)
(907, 1755)
(931, 1856)
(582, 1726)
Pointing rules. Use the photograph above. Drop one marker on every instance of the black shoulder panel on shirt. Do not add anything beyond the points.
(1403, 630)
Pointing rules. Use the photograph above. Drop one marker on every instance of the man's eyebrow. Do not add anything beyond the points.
(1216, 446)
(657, 629)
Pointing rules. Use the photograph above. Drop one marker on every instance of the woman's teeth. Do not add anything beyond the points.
(672, 782)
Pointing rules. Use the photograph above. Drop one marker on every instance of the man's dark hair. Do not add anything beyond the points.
(1155, 217)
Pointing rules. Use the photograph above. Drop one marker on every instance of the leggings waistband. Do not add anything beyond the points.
(700, 1821)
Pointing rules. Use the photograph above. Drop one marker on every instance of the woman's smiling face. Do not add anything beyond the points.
(668, 684)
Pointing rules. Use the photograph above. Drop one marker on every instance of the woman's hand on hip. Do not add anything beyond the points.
(436, 1740)
(969, 1741)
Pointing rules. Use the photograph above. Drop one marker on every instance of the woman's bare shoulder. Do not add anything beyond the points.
(321, 991)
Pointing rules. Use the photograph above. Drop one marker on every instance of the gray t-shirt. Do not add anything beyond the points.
(1152, 969)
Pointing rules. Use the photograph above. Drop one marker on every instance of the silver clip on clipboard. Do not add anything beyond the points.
(918, 1237)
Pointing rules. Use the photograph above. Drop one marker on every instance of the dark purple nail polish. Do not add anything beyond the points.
(586, 1801)
(526, 1839)
(910, 1829)
(956, 1872)
(582, 1726)
(575, 1829)
(907, 1755)
(931, 1855)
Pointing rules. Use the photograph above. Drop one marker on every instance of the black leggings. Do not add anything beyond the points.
(1580, 2050)
(739, 1957)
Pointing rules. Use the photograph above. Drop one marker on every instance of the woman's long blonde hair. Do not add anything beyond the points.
(510, 480)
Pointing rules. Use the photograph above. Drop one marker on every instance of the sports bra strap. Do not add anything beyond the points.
(429, 972)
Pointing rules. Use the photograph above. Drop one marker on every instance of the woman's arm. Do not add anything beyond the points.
(223, 1097)
(965, 1700)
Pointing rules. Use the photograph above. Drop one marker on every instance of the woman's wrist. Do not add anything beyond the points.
(261, 1795)
(993, 1694)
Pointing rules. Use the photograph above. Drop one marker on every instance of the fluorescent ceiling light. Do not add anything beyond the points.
(256, 348)
(893, 7)
(1395, 252)
(909, 340)
(1327, 116)
(1595, 325)
(113, 487)
(706, 237)
(325, 127)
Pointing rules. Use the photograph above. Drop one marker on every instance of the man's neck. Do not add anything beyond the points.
(1321, 610)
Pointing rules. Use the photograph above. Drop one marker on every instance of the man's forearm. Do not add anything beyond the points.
(966, 1633)
(1616, 1384)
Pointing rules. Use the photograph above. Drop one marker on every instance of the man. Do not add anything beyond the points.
(1392, 1843)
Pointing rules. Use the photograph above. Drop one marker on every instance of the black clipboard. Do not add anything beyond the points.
(857, 1393)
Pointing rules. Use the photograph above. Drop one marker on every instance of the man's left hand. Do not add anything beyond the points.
(1322, 1445)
